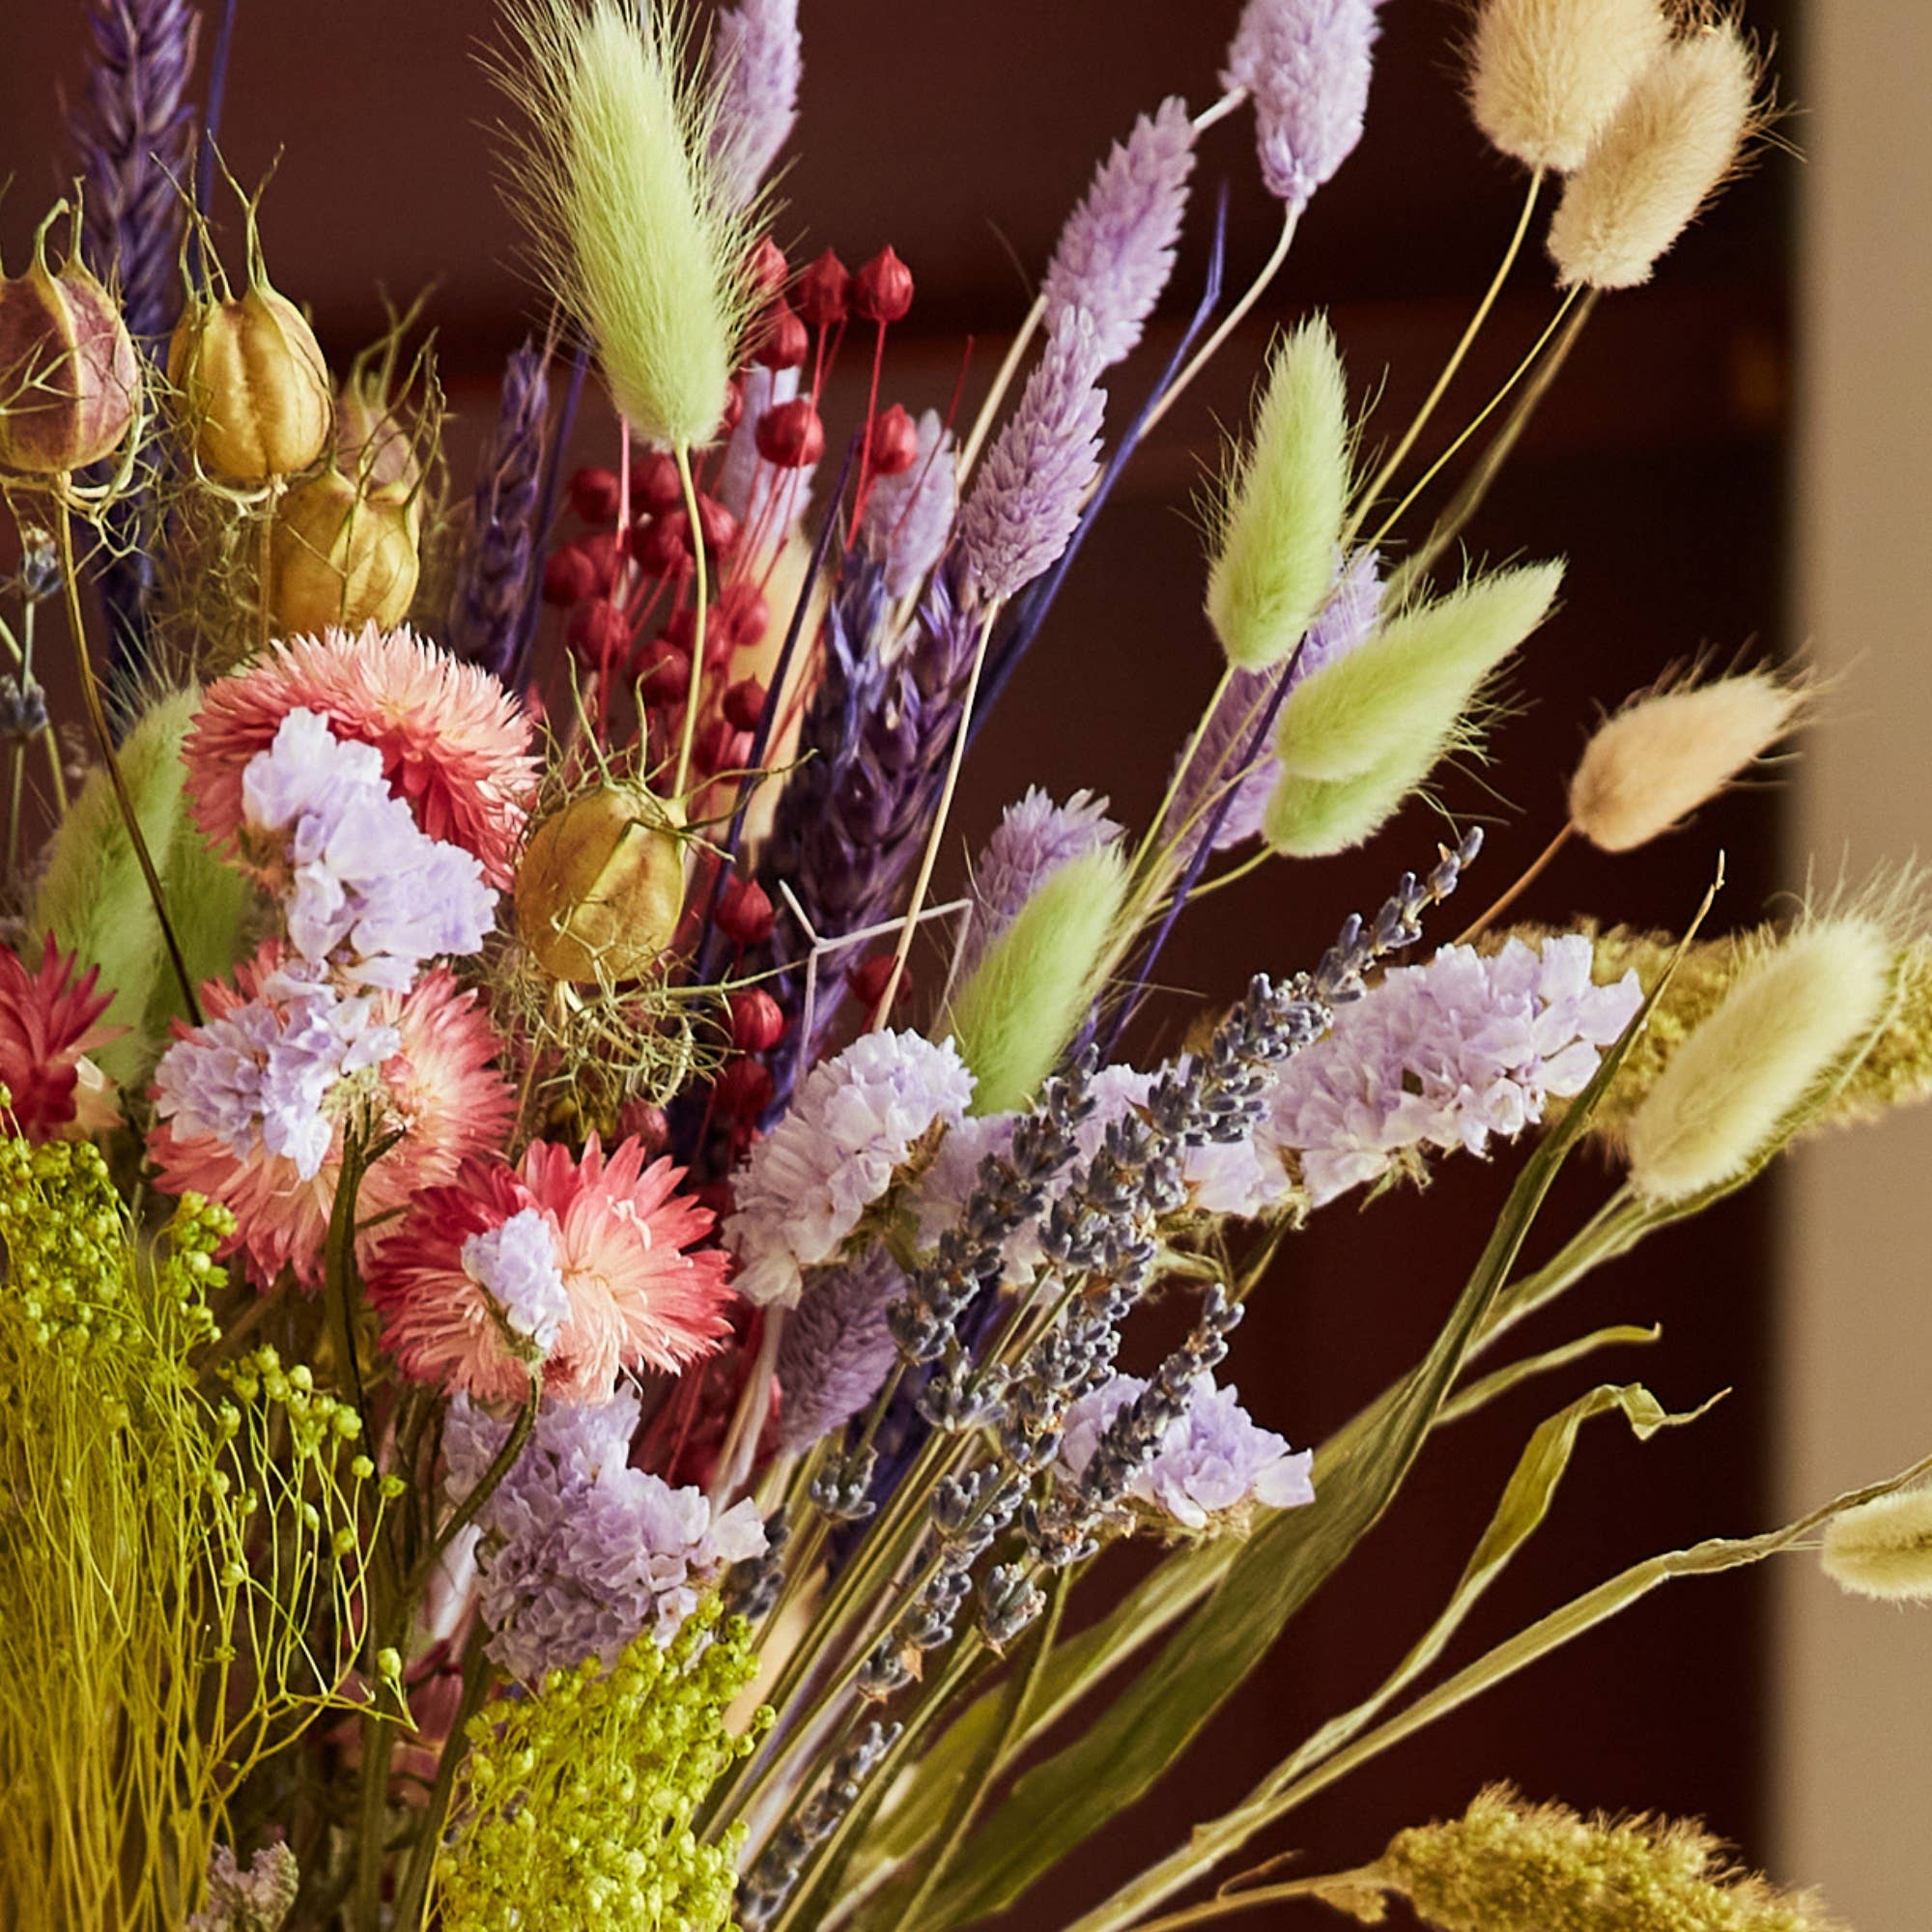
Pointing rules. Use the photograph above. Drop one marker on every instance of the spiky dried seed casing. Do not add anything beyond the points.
(254, 385)
(600, 889)
(70, 376)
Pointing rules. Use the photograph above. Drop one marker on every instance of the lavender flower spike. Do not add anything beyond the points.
(837, 1349)
(1034, 839)
(757, 62)
(909, 517)
(1027, 502)
(1117, 250)
(493, 577)
(1307, 65)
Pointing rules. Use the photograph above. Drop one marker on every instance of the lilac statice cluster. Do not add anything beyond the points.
(838, 1348)
(1026, 502)
(1034, 837)
(1446, 1055)
(368, 893)
(1233, 770)
(1116, 252)
(908, 518)
(757, 60)
(263, 1075)
(851, 1127)
(1306, 64)
(518, 1267)
(258, 1899)
(580, 1551)
(1214, 1462)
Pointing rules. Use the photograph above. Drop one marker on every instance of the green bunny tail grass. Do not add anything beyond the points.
(210, 903)
(1013, 1018)
(1314, 818)
(1280, 524)
(92, 898)
(1508, 1867)
(627, 223)
(1406, 687)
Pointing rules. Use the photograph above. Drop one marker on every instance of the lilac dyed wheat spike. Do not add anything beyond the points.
(1116, 252)
(1027, 502)
(1033, 840)
(133, 136)
(1306, 64)
(757, 62)
(494, 579)
(909, 517)
(836, 1350)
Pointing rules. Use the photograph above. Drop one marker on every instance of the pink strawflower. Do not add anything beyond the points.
(466, 1310)
(50, 1022)
(440, 1089)
(454, 743)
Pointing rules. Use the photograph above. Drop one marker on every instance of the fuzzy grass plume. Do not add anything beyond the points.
(1790, 1017)
(1883, 1548)
(1013, 1018)
(1280, 525)
(630, 223)
(1667, 150)
(1508, 1867)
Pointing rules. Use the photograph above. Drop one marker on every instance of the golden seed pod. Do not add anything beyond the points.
(69, 377)
(254, 383)
(341, 555)
(601, 887)
(370, 443)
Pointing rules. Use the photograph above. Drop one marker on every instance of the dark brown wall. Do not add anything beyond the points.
(960, 135)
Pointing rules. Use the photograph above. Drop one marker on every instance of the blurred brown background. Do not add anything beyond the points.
(961, 135)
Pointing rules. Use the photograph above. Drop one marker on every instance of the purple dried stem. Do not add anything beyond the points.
(494, 580)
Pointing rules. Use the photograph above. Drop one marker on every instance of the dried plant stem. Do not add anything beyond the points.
(1181, 769)
(1226, 1903)
(699, 591)
(1399, 455)
(264, 564)
(1228, 322)
(1526, 878)
(1003, 381)
(929, 858)
(97, 717)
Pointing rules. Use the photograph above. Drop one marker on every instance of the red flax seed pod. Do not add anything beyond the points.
(867, 980)
(784, 341)
(656, 486)
(734, 408)
(569, 577)
(663, 672)
(742, 614)
(599, 633)
(723, 748)
(594, 494)
(745, 704)
(745, 913)
(882, 289)
(742, 1090)
(718, 525)
(757, 1021)
(892, 448)
(790, 434)
(662, 545)
(769, 267)
(823, 296)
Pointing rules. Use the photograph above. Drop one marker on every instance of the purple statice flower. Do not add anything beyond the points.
(1116, 253)
(516, 1266)
(1445, 1055)
(495, 574)
(757, 63)
(1214, 1462)
(1033, 840)
(849, 1129)
(579, 1550)
(1347, 619)
(262, 1076)
(1307, 64)
(1023, 508)
(369, 892)
(873, 746)
(258, 1899)
(767, 501)
(836, 1350)
(909, 517)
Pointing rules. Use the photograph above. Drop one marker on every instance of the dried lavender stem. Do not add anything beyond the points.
(1399, 455)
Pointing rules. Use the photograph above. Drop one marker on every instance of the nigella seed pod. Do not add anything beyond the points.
(70, 377)
(252, 381)
(601, 886)
(343, 555)
(371, 444)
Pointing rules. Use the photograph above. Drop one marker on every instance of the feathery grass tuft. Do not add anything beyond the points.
(1883, 1548)
(629, 222)
(1279, 527)
(1014, 1017)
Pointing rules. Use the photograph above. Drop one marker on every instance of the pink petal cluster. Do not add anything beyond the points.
(440, 1091)
(454, 743)
(639, 1295)
(50, 1022)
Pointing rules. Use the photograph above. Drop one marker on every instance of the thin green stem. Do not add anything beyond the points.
(1225, 1904)
(413, 1893)
(1524, 879)
(698, 593)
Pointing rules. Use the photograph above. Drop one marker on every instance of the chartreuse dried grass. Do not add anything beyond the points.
(1508, 1867)
(180, 1562)
(575, 1806)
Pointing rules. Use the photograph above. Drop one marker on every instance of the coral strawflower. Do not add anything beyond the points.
(465, 1293)
(253, 1104)
(50, 1023)
(454, 743)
